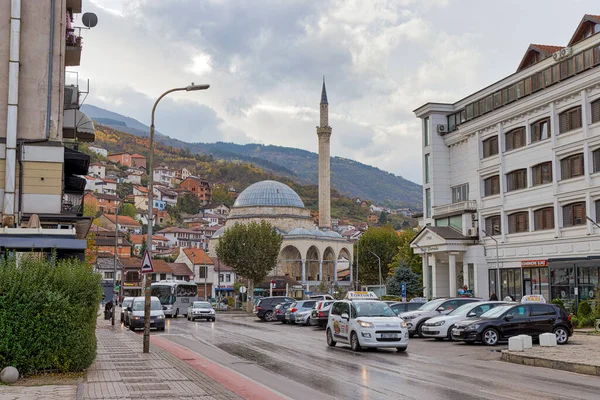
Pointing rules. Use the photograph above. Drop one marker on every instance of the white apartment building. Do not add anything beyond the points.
(163, 174)
(512, 180)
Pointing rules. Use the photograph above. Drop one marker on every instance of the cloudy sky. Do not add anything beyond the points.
(265, 60)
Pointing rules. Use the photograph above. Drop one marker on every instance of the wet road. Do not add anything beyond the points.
(296, 361)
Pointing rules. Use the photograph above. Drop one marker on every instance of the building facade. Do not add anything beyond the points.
(511, 180)
(199, 187)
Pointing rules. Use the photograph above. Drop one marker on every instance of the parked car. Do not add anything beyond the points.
(127, 301)
(320, 313)
(321, 297)
(400, 308)
(366, 323)
(299, 312)
(502, 322)
(434, 308)
(136, 314)
(265, 308)
(201, 310)
(441, 327)
(280, 310)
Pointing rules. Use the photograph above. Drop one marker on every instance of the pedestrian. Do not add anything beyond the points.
(493, 297)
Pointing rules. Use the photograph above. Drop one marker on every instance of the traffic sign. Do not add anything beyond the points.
(147, 267)
(403, 290)
(242, 289)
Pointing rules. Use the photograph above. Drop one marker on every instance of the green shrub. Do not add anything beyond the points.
(587, 322)
(557, 301)
(230, 302)
(574, 321)
(584, 310)
(48, 312)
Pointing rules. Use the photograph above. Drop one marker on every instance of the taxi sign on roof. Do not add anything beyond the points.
(533, 298)
(356, 295)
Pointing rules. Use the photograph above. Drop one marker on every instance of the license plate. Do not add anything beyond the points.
(456, 331)
(425, 329)
(390, 336)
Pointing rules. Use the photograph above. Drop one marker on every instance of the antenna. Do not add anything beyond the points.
(90, 20)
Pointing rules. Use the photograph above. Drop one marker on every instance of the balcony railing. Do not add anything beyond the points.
(73, 49)
(455, 208)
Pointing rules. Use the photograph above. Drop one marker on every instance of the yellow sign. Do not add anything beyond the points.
(355, 295)
(534, 263)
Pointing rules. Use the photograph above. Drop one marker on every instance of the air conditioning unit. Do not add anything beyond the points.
(71, 97)
(441, 128)
(562, 53)
(472, 232)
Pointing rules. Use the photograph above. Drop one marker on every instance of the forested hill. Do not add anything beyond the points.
(348, 177)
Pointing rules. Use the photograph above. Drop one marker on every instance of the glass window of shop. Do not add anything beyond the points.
(510, 283)
(575, 280)
(535, 281)
(562, 281)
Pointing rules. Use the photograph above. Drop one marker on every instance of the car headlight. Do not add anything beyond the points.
(136, 317)
(472, 327)
(439, 323)
(412, 316)
(212, 311)
(160, 317)
(169, 307)
(364, 324)
(403, 324)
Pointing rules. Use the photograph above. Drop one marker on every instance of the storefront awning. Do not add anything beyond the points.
(77, 125)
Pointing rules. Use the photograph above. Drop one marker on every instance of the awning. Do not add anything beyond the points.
(77, 125)
(37, 242)
(225, 289)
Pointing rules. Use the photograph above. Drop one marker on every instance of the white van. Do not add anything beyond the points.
(136, 314)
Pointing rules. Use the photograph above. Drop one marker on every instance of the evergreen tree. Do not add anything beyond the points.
(382, 218)
(404, 274)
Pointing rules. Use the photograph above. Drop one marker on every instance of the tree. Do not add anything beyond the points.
(124, 189)
(404, 274)
(128, 210)
(382, 218)
(89, 210)
(382, 241)
(189, 204)
(143, 247)
(407, 253)
(251, 250)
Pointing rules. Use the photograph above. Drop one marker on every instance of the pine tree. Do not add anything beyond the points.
(404, 274)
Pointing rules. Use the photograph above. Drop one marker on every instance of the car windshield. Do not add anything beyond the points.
(139, 305)
(127, 303)
(373, 309)
(464, 309)
(432, 305)
(202, 304)
(163, 293)
(496, 311)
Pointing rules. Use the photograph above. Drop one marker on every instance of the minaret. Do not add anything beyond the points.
(324, 133)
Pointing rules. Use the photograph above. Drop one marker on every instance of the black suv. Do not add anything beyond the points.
(502, 322)
(266, 307)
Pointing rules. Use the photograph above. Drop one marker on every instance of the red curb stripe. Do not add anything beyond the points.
(234, 381)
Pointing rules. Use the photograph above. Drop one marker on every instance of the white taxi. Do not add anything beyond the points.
(361, 320)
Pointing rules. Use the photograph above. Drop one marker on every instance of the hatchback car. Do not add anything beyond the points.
(201, 310)
(366, 323)
(265, 308)
(320, 313)
(136, 314)
(441, 327)
(434, 308)
(299, 312)
(400, 308)
(280, 310)
(127, 301)
(505, 321)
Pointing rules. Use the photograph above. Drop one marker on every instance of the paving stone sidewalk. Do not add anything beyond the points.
(121, 371)
(47, 392)
(581, 355)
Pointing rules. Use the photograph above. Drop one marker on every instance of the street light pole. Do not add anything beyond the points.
(205, 278)
(498, 289)
(114, 307)
(379, 262)
(189, 88)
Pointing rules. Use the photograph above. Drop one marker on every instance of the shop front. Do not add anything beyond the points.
(575, 280)
(531, 278)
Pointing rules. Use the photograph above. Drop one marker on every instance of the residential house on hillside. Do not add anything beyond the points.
(181, 272)
(164, 175)
(202, 267)
(225, 278)
(161, 217)
(207, 233)
(140, 191)
(180, 237)
(98, 150)
(132, 276)
(121, 158)
(216, 208)
(214, 219)
(159, 243)
(97, 170)
(199, 187)
(182, 174)
(105, 265)
(126, 223)
(373, 219)
(105, 241)
(138, 161)
(105, 203)
(168, 196)
(134, 177)
(106, 186)
(181, 192)
(162, 270)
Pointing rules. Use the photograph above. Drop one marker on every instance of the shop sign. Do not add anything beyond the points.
(534, 263)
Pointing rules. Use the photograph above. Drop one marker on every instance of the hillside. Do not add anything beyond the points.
(348, 177)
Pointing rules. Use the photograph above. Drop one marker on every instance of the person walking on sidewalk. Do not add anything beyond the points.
(493, 297)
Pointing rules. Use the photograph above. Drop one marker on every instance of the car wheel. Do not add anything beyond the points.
(419, 330)
(562, 336)
(490, 337)
(307, 321)
(176, 313)
(283, 321)
(354, 343)
(185, 315)
(330, 341)
(214, 319)
(269, 316)
(189, 319)
(401, 349)
(449, 335)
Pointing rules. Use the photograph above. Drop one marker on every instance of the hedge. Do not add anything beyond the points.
(48, 312)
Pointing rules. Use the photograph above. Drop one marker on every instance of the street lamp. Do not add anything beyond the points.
(379, 262)
(189, 88)
(497, 263)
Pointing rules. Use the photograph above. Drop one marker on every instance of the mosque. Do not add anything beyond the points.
(309, 254)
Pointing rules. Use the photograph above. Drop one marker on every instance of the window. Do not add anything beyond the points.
(492, 185)
(490, 147)
(597, 204)
(427, 173)
(570, 119)
(460, 193)
(596, 157)
(108, 275)
(202, 271)
(492, 225)
(518, 222)
(220, 277)
(572, 166)
(540, 130)
(427, 203)
(541, 173)
(516, 180)
(538, 310)
(515, 138)
(574, 214)
(163, 277)
(227, 277)
(596, 111)
(426, 131)
(543, 218)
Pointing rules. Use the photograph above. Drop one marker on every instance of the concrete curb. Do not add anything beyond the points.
(79, 395)
(548, 363)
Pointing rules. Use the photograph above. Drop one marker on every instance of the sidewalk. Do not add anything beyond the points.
(581, 355)
(122, 371)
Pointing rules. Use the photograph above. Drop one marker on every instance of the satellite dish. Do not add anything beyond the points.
(89, 19)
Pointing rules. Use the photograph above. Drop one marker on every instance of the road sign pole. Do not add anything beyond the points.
(147, 269)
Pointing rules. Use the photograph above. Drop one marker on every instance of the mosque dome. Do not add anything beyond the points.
(268, 193)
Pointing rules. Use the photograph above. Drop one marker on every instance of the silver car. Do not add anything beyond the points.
(127, 302)
(201, 310)
(415, 319)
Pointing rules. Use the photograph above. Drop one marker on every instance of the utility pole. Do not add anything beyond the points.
(205, 278)
(498, 287)
(114, 289)
(379, 262)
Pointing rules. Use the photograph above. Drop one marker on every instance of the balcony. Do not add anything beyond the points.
(73, 48)
(74, 5)
(454, 208)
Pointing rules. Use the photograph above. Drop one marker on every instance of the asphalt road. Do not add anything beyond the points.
(296, 362)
